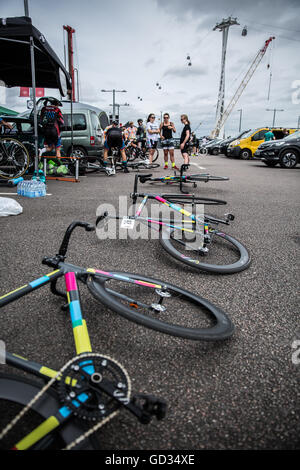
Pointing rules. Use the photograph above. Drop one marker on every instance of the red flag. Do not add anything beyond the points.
(24, 91)
(39, 92)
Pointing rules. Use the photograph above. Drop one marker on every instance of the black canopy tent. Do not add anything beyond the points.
(28, 60)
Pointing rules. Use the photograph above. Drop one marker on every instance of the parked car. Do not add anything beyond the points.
(222, 146)
(211, 146)
(285, 151)
(246, 146)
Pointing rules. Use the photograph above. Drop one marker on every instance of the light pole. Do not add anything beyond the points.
(298, 122)
(118, 107)
(224, 28)
(240, 126)
(114, 99)
(274, 113)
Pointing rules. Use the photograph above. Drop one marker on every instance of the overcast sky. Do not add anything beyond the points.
(132, 45)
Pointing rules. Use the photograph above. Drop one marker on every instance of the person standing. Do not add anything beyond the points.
(269, 135)
(52, 122)
(114, 139)
(152, 132)
(167, 142)
(141, 134)
(184, 138)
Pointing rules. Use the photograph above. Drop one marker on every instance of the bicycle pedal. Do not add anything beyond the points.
(229, 217)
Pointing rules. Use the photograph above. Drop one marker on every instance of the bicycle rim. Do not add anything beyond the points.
(15, 393)
(14, 158)
(191, 199)
(155, 156)
(225, 254)
(162, 307)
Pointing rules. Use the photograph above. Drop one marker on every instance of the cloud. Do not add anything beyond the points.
(184, 72)
(150, 62)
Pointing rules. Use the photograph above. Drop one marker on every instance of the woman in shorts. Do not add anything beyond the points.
(185, 138)
(167, 142)
(152, 135)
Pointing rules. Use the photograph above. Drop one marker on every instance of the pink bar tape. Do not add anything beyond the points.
(70, 280)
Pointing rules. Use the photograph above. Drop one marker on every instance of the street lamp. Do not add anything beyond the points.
(274, 114)
(118, 106)
(114, 99)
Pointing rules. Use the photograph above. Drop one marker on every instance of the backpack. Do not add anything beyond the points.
(114, 134)
(49, 117)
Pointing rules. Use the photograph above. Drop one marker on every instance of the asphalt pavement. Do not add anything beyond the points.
(242, 393)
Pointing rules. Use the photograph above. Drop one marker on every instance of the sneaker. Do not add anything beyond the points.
(126, 169)
(175, 168)
(166, 167)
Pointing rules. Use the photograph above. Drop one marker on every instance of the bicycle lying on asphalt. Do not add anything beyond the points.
(14, 158)
(91, 387)
(194, 240)
(181, 178)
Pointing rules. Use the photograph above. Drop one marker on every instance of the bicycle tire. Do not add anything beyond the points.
(16, 392)
(222, 328)
(24, 154)
(190, 199)
(207, 178)
(243, 262)
(155, 156)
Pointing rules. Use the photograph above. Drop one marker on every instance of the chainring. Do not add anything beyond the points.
(81, 386)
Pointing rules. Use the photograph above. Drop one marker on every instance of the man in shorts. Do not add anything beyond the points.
(52, 121)
(114, 139)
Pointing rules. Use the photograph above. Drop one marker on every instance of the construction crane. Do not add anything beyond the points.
(221, 121)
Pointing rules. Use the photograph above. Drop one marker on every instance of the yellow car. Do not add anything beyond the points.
(245, 147)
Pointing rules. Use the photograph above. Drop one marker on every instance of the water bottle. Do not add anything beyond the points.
(34, 176)
(42, 177)
(31, 189)
(15, 181)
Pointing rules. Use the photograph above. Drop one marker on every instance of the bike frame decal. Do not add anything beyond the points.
(17, 293)
(47, 426)
(125, 278)
(176, 208)
(81, 336)
(141, 206)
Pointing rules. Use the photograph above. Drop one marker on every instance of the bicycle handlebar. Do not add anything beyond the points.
(64, 245)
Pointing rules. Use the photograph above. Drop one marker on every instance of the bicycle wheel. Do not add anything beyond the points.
(223, 254)
(14, 158)
(155, 155)
(15, 393)
(161, 306)
(203, 177)
(190, 199)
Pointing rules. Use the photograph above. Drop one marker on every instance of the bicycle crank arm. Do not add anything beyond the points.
(152, 406)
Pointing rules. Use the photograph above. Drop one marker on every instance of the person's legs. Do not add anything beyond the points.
(105, 153)
(166, 158)
(124, 158)
(185, 156)
(151, 153)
